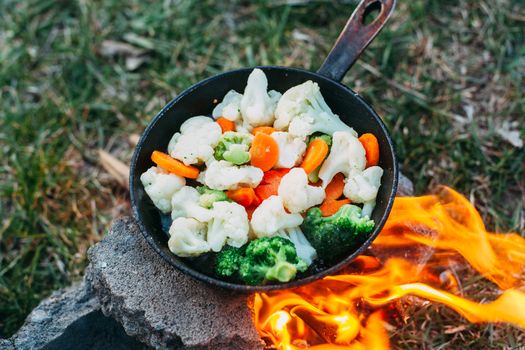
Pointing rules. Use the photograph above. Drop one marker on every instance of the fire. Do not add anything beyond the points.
(417, 253)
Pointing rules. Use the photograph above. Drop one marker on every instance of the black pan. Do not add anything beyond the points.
(199, 100)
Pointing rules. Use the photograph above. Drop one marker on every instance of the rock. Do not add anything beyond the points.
(158, 304)
(53, 315)
(95, 331)
(6, 344)
(70, 318)
(405, 187)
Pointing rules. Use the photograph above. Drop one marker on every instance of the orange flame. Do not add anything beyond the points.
(413, 256)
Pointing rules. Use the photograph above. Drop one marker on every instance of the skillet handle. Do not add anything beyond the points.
(355, 37)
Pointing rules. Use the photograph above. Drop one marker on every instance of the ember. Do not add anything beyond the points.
(348, 311)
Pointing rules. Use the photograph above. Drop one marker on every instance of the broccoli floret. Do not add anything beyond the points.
(233, 147)
(334, 235)
(228, 260)
(326, 138)
(270, 258)
(209, 196)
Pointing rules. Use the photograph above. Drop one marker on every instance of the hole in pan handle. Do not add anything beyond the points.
(357, 34)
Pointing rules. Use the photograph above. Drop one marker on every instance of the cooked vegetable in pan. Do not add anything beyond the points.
(267, 185)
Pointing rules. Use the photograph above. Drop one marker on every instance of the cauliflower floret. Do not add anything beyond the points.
(300, 127)
(188, 237)
(275, 96)
(368, 208)
(223, 175)
(302, 111)
(257, 105)
(362, 186)
(243, 128)
(304, 249)
(295, 192)
(346, 154)
(160, 186)
(185, 203)
(291, 149)
(196, 140)
(173, 141)
(229, 225)
(230, 107)
(270, 217)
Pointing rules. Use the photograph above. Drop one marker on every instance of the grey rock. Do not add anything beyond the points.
(405, 187)
(161, 306)
(94, 331)
(53, 315)
(70, 319)
(6, 344)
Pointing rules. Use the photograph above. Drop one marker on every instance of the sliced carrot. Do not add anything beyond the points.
(315, 154)
(369, 142)
(274, 175)
(225, 124)
(265, 191)
(256, 200)
(330, 207)
(264, 152)
(270, 183)
(333, 191)
(174, 166)
(245, 196)
(250, 210)
(264, 129)
(335, 188)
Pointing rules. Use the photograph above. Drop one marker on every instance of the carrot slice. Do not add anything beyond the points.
(315, 154)
(333, 191)
(270, 183)
(256, 200)
(331, 207)
(264, 152)
(250, 210)
(264, 129)
(369, 142)
(335, 188)
(274, 175)
(245, 196)
(225, 124)
(265, 191)
(173, 165)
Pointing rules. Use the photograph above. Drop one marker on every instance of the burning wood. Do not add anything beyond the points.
(348, 311)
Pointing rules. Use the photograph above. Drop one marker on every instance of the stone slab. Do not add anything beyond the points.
(53, 315)
(95, 331)
(70, 319)
(6, 344)
(158, 304)
(405, 187)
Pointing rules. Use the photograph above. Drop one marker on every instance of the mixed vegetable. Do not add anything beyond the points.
(268, 185)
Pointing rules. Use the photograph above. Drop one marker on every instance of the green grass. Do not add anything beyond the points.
(444, 75)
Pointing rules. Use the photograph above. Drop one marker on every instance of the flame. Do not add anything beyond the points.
(416, 254)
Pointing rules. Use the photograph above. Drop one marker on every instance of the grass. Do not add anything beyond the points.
(445, 75)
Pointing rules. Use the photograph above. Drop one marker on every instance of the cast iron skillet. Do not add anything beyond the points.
(199, 100)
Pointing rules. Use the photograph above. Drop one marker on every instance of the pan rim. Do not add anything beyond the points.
(261, 288)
